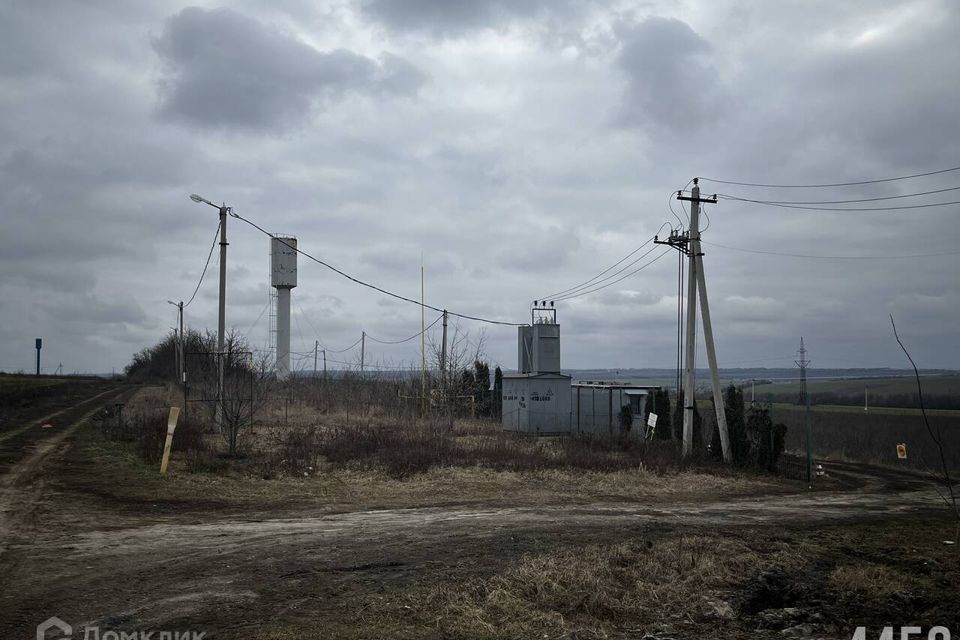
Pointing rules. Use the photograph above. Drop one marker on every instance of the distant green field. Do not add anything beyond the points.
(11, 384)
(879, 411)
(934, 385)
(848, 433)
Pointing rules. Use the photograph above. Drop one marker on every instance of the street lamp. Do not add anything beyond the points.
(181, 365)
(221, 322)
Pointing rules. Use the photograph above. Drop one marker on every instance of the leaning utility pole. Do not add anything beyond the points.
(803, 362)
(696, 283)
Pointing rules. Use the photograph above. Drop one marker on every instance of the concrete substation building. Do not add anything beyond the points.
(540, 400)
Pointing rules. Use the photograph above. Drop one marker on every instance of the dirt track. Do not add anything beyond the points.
(226, 575)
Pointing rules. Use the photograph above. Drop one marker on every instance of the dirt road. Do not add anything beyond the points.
(227, 576)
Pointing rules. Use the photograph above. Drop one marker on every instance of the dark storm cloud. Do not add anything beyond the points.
(541, 151)
(457, 17)
(225, 69)
(670, 82)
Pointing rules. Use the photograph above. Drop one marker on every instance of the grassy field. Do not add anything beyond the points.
(12, 384)
(334, 462)
(878, 411)
(935, 385)
(939, 392)
(847, 433)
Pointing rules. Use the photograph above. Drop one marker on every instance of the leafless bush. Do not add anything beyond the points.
(406, 449)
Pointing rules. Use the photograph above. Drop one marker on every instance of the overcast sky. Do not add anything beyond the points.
(517, 147)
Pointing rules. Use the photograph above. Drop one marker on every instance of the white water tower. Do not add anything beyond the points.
(283, 278)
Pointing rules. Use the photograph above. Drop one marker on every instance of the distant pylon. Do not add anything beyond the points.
(802, 362)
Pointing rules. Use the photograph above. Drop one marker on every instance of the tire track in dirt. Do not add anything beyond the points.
(257, 566)
(24, 452)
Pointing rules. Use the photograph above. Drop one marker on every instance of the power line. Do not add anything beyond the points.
(341, 350)
(834, 184)
(204, 272)
(822, 257)
(367, 284)
(620, 279)
(592, 281)
(262, 311)
(877, 199)
(819, 208)
(416, 335)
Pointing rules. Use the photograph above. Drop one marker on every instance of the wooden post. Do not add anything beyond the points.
(171, 425)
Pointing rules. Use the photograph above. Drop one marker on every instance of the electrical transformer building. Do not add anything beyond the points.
(540, 400)
(536, 399)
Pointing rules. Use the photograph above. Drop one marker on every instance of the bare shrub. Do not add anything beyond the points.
(404, 449)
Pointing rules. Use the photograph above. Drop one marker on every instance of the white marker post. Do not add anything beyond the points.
(651, 425)
(171, 425)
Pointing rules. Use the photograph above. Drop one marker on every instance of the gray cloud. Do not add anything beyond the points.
(670, 83)
(222, 68)
(541, 151)
(456, 17)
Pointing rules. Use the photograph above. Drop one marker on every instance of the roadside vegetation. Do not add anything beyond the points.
(666, 584)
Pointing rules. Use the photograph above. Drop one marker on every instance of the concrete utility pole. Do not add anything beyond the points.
(423, 345)
(222, 317)
(180, 350)
(324, 351)
(363, 348)
(696, 284)
(316, 347)
(443, 353)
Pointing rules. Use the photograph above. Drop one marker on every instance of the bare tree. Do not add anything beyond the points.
(936, 435)
(462, 352)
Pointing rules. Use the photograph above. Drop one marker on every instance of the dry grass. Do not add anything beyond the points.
(873, 581)
(371, 463)
(749, 584)
(590, 591)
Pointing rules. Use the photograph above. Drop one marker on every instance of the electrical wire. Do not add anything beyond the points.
(620, 279)
(877, 199)
(367, 284)
(416, 335)
(259, 317)
(834, 184)
(594, 280)
(578, 290)
(204, 272)
(670, 204)
(822, 257)
(342, 350)
(820, 208)
(306, 317)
